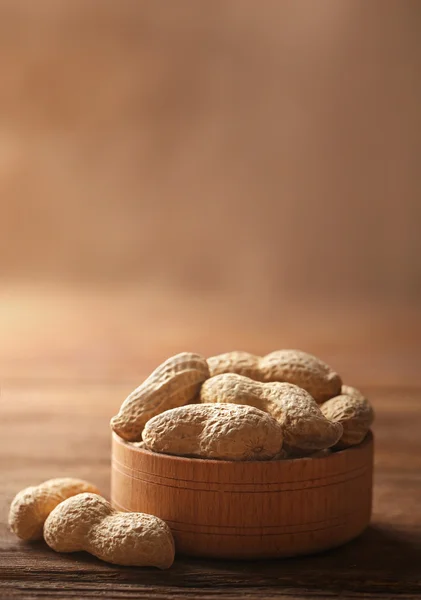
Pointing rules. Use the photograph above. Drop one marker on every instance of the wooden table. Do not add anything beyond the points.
(55, 408)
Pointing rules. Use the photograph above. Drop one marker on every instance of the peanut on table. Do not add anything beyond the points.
(235, 406)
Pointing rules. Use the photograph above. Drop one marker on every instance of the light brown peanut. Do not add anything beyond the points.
(224, 432)
(289, 366)
(355, 414)
(304, 426)
(348, 390)
(31, 506)
(242, 363)
(174, 383)
(88, 522)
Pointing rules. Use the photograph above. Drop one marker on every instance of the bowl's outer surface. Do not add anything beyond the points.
(248, 509)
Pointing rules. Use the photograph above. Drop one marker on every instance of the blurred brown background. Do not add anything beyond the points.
(208, 175)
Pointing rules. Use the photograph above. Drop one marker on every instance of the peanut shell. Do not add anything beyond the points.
(224, 432)
(174, 383)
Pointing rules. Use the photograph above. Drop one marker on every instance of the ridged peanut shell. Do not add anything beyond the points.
(174, 383)
(301, 369)
(354, 413)
(349, 390)
(217, 431)
(242, 363)
(88, 522)
(303, 424)
(31, 506)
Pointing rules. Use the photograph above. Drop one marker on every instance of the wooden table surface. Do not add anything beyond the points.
(57, 398)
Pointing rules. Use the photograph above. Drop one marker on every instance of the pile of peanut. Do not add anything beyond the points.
(238, 406)
(234, 406)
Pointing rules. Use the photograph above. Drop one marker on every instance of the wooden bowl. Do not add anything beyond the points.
(249, 510)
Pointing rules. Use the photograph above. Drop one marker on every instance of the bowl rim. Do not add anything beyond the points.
(369, 438)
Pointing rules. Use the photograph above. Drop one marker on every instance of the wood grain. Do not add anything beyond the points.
(63, 430)
(248, 510)
(256, 173)
(55, 407)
